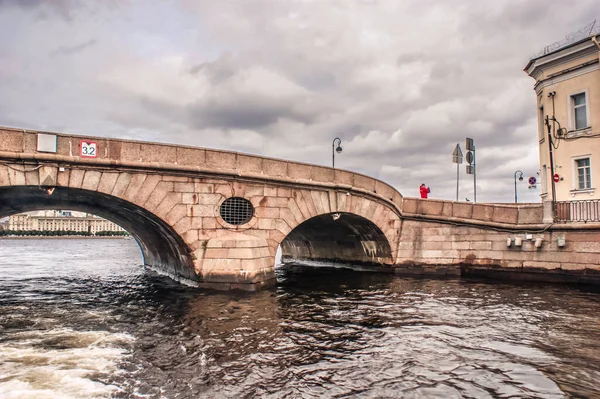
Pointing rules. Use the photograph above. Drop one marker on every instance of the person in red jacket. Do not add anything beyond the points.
(424, 190)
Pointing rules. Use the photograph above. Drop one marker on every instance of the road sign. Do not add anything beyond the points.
(470, 169)
(470, 144)
(457, 155)
(556, 178)
(532, 180)
(88, 149)
(470, 157)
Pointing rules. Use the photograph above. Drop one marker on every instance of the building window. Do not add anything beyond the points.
(584, 176)
(579, 104)
(542, 123)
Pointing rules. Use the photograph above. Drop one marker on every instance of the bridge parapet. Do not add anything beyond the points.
(22, 144)
(500, 215)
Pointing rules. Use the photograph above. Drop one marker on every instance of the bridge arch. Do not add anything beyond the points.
(338, 237)
(162, 247)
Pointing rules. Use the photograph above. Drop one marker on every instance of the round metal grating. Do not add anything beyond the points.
(236, 210)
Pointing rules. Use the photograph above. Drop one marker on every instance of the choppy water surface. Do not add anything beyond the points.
(81, 319)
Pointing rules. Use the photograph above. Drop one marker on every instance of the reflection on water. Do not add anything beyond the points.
(80, 318)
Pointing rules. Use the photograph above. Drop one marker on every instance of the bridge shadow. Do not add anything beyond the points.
(338, 239)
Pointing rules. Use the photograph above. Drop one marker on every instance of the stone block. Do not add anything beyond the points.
(189, 198)
(48, 176)
(130, 152)
(32, 177)
(266, 224)
(293, 207)
(158, 153)
(288, 216)
(30, 143)
(273, 202)
(203, 187)
(209, 223)
(301, 204)
(190, 235)
(249, 164)
(486, 245)
(585, 246)
(463, 211)
(121, 184)
(274, 168)
(107, 182)
(136, 182)
(167, 204)
(541, 265)
(398, 200)
(322, 174)
(184, 225)
(183, 187)
(503, 214)
(191, 156)
(76, 178)
(384, 190)
(530, 214)
(364, 182)
(316, 201)
(483, 212)
(282, 226)
(146, 189)
(4, 179)
(410, 205)
(201, 210)
(461, 245)
(91, 179)
(271, 213)
(343, 177)
(221, 160)
(11, 141)
(284, 192)
(576, 266)
(243, 253)
(176, 214)
(270, 191)
(299, 171)
(176, 179)
(157, 195)
(430, 207)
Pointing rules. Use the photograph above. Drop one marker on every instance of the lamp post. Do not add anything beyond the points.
(520, 179)
(335, 149)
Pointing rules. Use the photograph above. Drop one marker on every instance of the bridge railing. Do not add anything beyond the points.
(577, 211)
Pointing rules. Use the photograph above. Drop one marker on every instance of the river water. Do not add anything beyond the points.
(79, 318)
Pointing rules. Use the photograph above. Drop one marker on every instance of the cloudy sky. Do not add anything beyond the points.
(401, 82)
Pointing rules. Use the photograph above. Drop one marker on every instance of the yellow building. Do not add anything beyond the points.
(61, 220)
(567, 85)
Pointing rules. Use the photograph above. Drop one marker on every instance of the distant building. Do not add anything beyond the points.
(567, 85)
(4, 223)
(61, 220)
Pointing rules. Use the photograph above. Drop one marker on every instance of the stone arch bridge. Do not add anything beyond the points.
(176, 201)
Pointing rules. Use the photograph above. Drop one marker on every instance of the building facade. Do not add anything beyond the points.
(61, 221)
(567, 86)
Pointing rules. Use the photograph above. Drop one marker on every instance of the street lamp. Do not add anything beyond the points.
(520, 179)
(335, 149)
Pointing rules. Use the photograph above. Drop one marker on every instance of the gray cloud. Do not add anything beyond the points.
(74, 49)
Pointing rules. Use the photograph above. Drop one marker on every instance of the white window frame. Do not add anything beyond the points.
(576, 173)
(571, 108)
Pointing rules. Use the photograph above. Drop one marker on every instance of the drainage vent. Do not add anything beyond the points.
(237, 210)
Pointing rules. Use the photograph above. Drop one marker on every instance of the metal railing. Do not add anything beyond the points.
(590, 29)
(577, 211)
